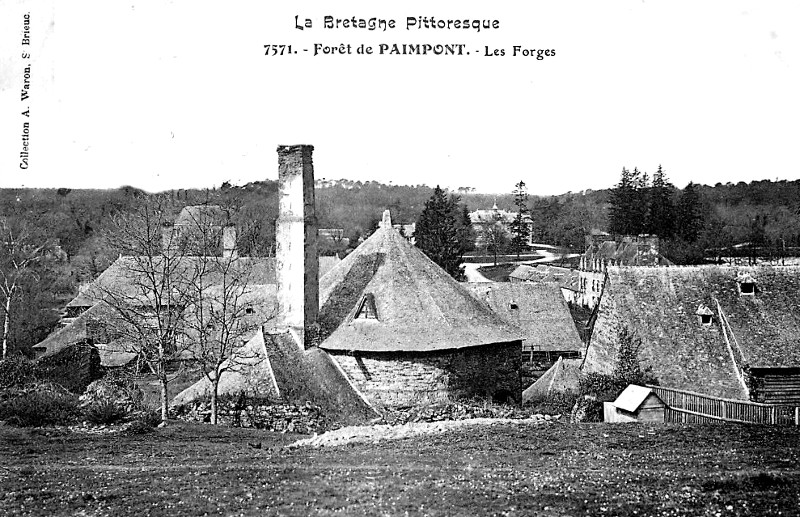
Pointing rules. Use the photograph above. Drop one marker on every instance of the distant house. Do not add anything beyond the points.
(483, 220)
(725, 331)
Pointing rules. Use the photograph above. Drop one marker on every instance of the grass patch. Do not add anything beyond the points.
(561, 469)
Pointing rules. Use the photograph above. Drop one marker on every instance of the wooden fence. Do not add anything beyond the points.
(690, 407)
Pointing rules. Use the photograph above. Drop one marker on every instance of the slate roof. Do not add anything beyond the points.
(204, 214)
(660, 306)
(541, 313)
(120, 276)
(419, 307)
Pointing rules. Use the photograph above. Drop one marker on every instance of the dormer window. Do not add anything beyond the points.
(249, 310)
(366, 309)
(513, 306)
(747, 285)
(705, 315)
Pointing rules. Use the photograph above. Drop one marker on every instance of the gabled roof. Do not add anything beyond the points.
(633, 397)
(205, 215)
(541, 313)
(419, 306)
(659, 305)
(121, 277)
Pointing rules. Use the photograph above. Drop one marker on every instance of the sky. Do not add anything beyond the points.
(163, 95)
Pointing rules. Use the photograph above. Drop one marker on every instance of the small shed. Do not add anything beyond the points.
(635, 404)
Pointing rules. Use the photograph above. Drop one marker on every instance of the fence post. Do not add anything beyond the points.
(724, 410)
(772, 418)
(797, 415)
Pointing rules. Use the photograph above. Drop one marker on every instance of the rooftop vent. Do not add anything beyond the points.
(747, 284)
(705, 314)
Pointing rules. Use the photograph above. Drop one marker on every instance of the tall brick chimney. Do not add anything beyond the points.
(296, 238)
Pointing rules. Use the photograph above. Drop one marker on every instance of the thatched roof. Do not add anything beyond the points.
(537, 309)
(252, 376)
(660, 306)
(280, 370)
(419, 306)
(562, 377)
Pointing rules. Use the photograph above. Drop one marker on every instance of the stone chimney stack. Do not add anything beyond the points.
(166, 238)
(229, 242)
(296, 239)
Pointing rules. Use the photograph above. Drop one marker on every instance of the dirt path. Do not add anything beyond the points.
(377, 433)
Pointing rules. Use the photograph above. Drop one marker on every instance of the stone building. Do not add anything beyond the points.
(384, 327)
(483, 220)
(724, 331)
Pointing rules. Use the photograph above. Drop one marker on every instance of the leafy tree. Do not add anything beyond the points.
(629, 203)
(520, 229)
(661, 214)
(437, 233)
(689, 214)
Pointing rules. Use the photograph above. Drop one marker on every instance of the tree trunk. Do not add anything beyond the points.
(164, 401)
(6, 327)
(214, 400)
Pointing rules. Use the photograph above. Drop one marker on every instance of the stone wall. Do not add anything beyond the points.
(261, 414)
(407, 378)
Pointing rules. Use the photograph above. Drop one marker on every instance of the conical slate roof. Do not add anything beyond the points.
(416, 305)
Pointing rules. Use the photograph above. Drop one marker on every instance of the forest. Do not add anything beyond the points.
(55, 240)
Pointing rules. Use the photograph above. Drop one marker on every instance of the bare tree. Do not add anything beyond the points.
(155, 287)
(19, 252)
(227, 309)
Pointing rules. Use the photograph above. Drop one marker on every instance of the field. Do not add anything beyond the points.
(558, 469)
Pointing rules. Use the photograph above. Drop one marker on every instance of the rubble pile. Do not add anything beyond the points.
(377, 433)
(453, 411)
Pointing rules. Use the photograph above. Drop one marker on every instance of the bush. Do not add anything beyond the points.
(104, 412)
(17, 371)
(558, 403)
(40, 405)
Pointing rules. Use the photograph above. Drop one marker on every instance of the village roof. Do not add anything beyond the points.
(659, 305)
(562, 377)
(633, 397)
(124, 275)
(251, 375)
(202, 214)
(115, 354)
(277, 368)
(530, 273)
(537, 309)
(483, 216)
(626, 253)
(419, 306)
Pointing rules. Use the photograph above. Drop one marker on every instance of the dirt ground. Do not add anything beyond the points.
(533, 469)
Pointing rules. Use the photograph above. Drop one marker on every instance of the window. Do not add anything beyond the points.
(513, 306)
(366, 309)
(249, 310)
